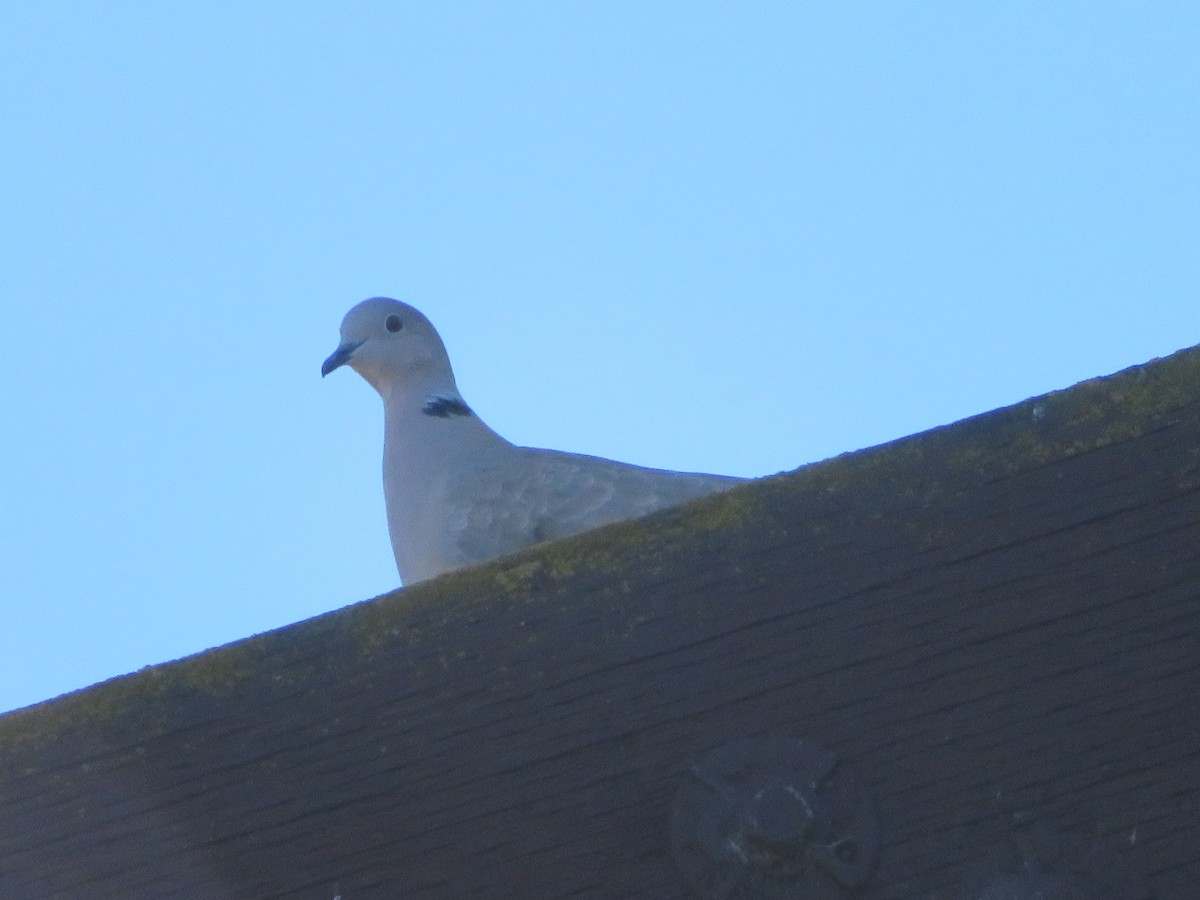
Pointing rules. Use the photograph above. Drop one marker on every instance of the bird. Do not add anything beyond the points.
(456, 492)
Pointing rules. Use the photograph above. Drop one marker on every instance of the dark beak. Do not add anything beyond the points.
(339, 357)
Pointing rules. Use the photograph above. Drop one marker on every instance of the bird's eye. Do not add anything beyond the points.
(392, 323)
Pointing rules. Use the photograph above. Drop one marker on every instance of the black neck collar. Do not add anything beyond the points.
(444, 407)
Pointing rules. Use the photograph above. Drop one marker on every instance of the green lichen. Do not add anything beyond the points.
(1092, 414)
(919, 469)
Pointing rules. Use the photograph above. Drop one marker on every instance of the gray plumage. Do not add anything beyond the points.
(456, 492)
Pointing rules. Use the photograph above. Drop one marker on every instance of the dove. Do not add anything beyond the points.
(456, 492)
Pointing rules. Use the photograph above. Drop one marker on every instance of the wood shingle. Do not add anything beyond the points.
(995, 625)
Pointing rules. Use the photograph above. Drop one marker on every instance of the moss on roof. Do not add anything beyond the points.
(917, 469)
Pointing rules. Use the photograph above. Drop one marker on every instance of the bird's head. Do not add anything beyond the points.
(390, 343)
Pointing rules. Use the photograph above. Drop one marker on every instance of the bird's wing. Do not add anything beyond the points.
(539, 495)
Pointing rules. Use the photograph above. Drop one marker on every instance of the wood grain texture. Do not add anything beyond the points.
(995, 622)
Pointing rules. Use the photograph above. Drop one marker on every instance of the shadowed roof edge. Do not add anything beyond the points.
(914, 470)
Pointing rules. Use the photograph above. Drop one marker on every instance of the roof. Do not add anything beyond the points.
(991, 626)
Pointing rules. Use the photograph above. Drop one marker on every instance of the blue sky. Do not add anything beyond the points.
(722, 237)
